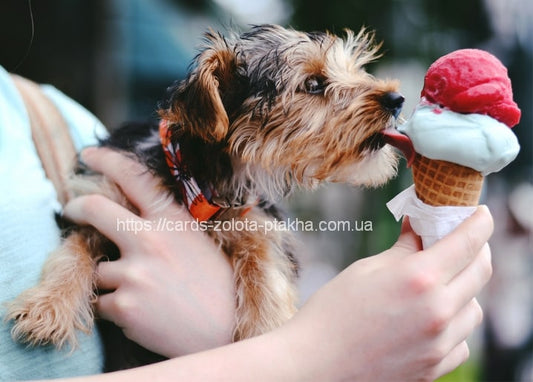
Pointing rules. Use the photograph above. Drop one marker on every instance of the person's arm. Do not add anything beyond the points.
(403, 314)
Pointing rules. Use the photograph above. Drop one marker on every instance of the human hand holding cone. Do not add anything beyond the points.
(459, 133)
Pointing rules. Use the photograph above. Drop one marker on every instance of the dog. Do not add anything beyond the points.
(258, 116)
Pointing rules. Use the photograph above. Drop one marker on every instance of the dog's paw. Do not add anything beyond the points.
(46, 317)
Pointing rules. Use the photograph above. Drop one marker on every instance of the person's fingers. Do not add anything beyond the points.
(142, 188)
(105, 307)
(473, 278)
(120, 308)
(462, 324)
(108, 275)
(451, 343)
(109, 218)
(454, 359)
(408, 239)
(456, 251)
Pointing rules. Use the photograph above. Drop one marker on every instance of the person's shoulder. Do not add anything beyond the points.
(84, 126)
(10, 100)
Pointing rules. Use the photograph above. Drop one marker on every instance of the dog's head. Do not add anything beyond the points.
(293, 107)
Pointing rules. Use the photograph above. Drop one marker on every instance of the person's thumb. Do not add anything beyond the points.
(408, 240)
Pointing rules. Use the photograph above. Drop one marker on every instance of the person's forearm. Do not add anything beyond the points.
(265, 358)
(401, 315)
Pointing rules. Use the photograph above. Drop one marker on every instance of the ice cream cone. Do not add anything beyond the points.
(442, 183)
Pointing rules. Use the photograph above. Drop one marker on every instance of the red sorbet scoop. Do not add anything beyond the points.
(472, 81)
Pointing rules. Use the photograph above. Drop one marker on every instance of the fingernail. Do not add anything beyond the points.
(87, 152)
(82, 159)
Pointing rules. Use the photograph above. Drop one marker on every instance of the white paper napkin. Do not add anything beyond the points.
(429, 222)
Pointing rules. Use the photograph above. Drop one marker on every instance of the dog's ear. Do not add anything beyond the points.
(197, 103)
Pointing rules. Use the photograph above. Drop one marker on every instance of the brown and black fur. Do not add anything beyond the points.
(259, 115)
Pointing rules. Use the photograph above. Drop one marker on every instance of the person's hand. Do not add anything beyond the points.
(170, 291)
(401, 315)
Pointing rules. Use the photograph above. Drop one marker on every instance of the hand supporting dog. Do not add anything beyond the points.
(181, 272)
(403, 314)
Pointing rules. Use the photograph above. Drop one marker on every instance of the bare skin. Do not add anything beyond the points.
(403, 314)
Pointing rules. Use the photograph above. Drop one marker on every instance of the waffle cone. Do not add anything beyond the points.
(442, 183)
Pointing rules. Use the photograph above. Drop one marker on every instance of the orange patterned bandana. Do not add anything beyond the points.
(197, 200)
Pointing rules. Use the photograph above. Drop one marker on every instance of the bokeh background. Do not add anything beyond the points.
(117, 57)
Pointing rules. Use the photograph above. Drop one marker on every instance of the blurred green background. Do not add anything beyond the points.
(116, 57)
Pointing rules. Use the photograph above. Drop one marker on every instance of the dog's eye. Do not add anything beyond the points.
(315, 85)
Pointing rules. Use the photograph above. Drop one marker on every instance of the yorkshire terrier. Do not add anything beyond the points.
(259, 115)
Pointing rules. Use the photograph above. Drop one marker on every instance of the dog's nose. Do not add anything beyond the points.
(393, 102)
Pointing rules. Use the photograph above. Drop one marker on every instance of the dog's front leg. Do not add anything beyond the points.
(265, 273)
(61, 304)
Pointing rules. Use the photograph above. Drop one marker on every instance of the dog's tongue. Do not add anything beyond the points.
(402, 142)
